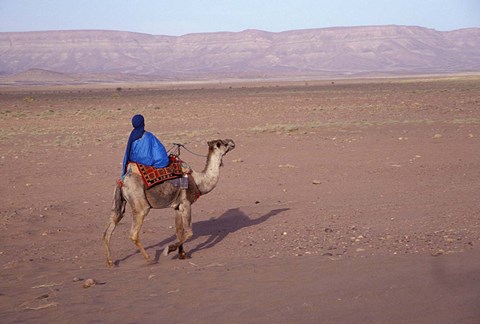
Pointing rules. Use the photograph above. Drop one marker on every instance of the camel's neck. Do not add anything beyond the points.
(208, 178)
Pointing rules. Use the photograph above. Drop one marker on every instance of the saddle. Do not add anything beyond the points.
(152, 176)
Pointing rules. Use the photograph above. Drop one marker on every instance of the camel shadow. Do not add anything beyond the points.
(215, 229)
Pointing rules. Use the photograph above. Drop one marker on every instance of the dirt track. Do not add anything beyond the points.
(351, 201)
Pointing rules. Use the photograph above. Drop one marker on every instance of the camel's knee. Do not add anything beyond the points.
(137, 225)
(134, 237)
(188, 234)
(108, 231)
(115, 218)
(179, 232)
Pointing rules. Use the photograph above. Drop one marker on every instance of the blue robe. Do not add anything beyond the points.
(147, 150)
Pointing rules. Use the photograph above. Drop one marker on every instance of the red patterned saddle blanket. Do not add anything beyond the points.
(152, 176)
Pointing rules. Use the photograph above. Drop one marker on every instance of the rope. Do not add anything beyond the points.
(176, 150)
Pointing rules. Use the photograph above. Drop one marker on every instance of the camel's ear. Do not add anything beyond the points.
(212, 144)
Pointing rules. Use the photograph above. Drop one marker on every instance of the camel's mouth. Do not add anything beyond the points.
(230, 145)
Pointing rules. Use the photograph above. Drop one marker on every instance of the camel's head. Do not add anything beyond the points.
(221, 146)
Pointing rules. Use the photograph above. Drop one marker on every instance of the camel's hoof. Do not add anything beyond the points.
(110, 263)
(182, 255)
(168, 249)
(150, 261)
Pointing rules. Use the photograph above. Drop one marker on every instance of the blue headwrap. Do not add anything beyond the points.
(138, 123)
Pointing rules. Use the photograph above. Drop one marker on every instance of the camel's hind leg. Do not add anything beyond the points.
(112, 223)
(183, 225)
(118, 211)
(140, 210)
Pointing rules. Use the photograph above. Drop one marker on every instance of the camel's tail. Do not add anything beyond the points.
(118, 207)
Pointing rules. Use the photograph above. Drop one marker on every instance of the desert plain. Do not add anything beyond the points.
(344, 201)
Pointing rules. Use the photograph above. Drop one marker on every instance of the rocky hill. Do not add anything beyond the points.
(327, 52)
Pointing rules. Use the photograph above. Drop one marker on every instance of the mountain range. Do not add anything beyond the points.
(326, 52)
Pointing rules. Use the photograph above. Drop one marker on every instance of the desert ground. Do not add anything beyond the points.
(345, 201)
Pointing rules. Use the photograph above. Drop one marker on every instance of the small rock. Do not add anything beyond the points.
(288, 166)
(76, 279)
(437, 136)
(316, 182)
(89, 283)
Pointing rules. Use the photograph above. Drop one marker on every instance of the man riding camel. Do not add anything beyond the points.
(143, 147)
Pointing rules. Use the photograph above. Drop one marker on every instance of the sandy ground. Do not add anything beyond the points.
(346, 201)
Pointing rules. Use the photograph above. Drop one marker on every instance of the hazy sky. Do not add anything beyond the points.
(177, 17)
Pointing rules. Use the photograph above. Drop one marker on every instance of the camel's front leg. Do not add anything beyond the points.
(183, 225)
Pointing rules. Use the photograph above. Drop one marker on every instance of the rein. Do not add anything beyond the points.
(176, 150)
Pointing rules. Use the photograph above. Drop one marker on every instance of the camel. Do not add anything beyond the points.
(165, 195)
